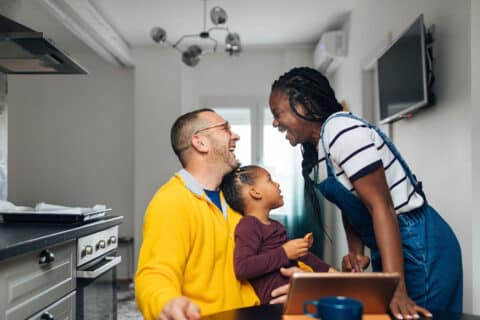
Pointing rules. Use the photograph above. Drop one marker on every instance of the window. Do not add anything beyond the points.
(284, 163)
(260, 143)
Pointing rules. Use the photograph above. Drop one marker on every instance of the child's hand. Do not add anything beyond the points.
(296, 248)
(309, 238)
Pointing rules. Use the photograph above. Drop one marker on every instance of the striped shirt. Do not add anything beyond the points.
(355, 151)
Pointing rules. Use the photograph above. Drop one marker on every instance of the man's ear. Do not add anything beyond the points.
(200, 143)
(254, 193)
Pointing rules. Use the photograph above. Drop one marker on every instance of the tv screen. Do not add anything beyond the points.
(402, 75)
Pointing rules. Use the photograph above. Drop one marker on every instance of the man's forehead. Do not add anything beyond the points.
(212, 117)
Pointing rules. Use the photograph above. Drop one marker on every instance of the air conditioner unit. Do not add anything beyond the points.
(330, 51)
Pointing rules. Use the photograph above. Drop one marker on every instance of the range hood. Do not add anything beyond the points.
(25, 51)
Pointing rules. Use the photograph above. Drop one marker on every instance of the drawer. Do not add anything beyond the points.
(28, 286)
(64, 309)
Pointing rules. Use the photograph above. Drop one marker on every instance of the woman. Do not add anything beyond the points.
(383, 206)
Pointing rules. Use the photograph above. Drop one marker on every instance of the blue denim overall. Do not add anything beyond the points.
(432, 256)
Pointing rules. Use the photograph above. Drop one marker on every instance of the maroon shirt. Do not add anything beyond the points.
(259, 255)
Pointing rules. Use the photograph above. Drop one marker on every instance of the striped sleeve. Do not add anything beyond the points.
(350, 143)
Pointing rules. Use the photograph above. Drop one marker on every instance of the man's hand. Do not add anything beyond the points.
(279, 295)
(296, 248)
(354, 262)
(180, 308)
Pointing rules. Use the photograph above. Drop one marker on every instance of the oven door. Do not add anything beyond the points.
(97, 289)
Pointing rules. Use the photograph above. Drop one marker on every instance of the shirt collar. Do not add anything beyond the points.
(197, 189)
(190, 182)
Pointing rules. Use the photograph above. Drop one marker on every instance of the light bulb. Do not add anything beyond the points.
(158, 34)
(191, 57)
(218, 15)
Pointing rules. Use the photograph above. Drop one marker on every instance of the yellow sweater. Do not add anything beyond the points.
(187, 250)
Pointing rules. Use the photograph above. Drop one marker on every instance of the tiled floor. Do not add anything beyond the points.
(126, 308)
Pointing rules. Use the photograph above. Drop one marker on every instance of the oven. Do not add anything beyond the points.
(97, 260)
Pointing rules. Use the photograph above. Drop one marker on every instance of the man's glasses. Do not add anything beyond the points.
(225, 125)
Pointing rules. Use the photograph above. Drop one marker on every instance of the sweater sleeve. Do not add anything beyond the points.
(162, 256)
(315, 262)
(249, 261)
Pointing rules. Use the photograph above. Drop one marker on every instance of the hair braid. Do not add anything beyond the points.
(233, 182)
(311, 89)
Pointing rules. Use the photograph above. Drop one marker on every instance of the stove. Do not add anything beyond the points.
(97, 260)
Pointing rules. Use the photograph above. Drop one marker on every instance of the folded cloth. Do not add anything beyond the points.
(6, 206)
(43, 207)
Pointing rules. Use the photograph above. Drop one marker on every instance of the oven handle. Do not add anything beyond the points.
(92, 274)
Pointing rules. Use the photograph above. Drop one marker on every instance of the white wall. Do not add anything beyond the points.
(248, 75)
(475, 88)
(158, 100)
(71, 138)
(422, 140)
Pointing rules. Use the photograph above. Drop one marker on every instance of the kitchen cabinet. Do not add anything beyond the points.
(63, 309)
(33, 281)
(38, 263)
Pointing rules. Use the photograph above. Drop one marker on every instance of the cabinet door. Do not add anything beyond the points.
(32, 281)
(64, 309)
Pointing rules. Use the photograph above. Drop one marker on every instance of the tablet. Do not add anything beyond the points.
(374, 289)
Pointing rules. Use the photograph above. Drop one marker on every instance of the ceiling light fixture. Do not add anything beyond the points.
(191, 54)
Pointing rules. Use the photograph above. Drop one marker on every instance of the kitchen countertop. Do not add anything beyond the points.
(19, 238)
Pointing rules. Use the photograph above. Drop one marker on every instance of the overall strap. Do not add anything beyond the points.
(388, 142)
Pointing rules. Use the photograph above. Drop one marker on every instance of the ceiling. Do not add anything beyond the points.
(260, 23)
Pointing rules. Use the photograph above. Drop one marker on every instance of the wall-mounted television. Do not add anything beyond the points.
(404, 73)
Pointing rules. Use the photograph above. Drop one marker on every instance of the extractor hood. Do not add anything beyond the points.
(25, 51)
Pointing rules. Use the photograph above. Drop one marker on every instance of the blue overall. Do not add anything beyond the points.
(432, 256)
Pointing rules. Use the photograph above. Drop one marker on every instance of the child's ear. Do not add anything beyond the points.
(253, 192)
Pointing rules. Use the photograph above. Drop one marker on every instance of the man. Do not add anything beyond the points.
(185, 266)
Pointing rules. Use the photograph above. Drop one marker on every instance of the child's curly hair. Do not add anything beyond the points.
(234, 181)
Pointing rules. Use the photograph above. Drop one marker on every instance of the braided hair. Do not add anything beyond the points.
(309, 89)
(233, 182)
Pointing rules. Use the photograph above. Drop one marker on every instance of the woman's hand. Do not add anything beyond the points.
(296, 248)
(402, 307)
(354, 262)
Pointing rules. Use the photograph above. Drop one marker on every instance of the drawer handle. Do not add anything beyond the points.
(46, 257)
(47, 316)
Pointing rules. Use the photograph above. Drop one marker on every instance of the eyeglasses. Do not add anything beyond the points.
(225, 124)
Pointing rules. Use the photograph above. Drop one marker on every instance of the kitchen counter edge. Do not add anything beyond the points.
(15, 241)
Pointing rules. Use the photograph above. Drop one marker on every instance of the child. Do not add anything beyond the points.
(261, 244)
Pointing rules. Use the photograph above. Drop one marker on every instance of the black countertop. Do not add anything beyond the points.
(275, 312)
(19, 238)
